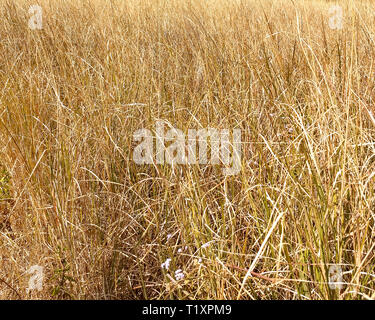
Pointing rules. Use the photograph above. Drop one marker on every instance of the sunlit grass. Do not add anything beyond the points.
(73, 93)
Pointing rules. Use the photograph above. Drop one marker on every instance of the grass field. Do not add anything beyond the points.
(74, 202)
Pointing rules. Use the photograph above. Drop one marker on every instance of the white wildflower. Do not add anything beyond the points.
(179, 275)
(165, 265)
(182, 249)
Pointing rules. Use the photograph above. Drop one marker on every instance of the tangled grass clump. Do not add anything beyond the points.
(74, 92)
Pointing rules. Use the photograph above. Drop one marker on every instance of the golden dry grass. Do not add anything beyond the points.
(74, 201)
